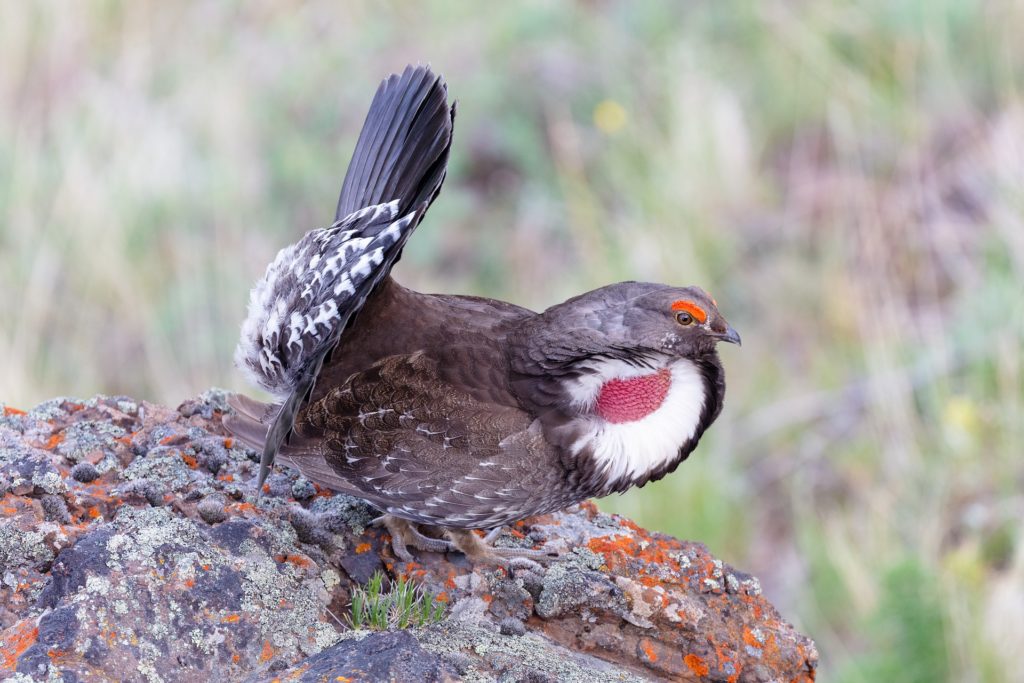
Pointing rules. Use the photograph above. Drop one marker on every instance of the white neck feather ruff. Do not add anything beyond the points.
(630, 450)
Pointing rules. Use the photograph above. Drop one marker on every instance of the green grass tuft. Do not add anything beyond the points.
(403, 605)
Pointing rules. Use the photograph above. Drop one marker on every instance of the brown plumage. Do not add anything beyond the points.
(461, 412)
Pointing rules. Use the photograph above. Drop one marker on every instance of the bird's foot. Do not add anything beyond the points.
(476, 549)
(480, 550)
(404, 533)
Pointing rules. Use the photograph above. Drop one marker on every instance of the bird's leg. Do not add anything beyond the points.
(404, 533)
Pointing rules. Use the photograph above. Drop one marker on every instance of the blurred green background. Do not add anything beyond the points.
(846, 178)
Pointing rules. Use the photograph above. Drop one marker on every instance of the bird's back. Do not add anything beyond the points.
(466, 335)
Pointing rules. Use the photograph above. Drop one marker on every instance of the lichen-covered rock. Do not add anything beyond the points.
(395, 656)
(131, 549)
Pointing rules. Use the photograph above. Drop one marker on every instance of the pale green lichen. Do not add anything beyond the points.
(216, 398)
(513, 657)
(340, 513)
(710, 585)
(166, 467)
(681, 558)
(266, 585)
(569, 583)
(19, 548)
(50, 482)
(128, 407)
(331, 579)
(20, 678)
(87, 436)
(97, 585)
(53, 408)
(150, 653)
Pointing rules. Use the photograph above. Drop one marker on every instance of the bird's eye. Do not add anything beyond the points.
(684, 318)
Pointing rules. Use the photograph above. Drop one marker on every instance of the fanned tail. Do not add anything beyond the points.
(309, 294)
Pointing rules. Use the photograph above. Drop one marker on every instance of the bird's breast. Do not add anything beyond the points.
(635, 421)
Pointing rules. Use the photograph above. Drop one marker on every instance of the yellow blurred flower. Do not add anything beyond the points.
(610, 116)
(962, 414)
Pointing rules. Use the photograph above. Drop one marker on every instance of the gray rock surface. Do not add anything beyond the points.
(131, 549)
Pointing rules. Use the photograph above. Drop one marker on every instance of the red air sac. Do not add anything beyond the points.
(628, 400)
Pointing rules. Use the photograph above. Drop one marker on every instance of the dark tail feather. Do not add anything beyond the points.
(402, 152)
(248, 421)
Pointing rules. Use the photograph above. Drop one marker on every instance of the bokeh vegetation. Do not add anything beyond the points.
(846, 178)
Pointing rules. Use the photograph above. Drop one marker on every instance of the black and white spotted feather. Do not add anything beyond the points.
(309, 294)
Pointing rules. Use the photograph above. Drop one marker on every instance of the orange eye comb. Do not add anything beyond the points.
(693, 309)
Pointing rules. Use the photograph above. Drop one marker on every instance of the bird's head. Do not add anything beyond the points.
(646, 318)
(680, 321)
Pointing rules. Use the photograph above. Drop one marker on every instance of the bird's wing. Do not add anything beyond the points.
(423, 448)
(311, 291)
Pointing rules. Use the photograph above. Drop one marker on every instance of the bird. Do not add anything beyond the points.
(458, 414)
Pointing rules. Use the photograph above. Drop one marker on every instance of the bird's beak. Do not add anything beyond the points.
(731, 335)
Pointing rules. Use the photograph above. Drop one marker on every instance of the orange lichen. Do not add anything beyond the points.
(94, 513)
(297, 560)
(229, 442)
(15, 640)
(53, 442)
(230, 619)
(648, 650)
(693, 309)
(749, 639)
(190, 460)
(696, 665)
(12, 411)
(723, 659)
(619, 551)
(322, 492)
(267, 652)
(363, 548)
